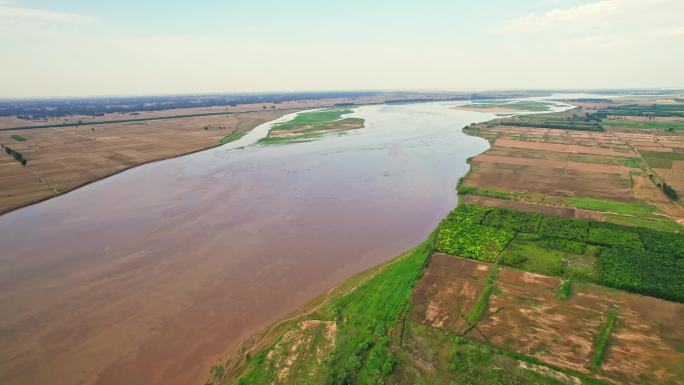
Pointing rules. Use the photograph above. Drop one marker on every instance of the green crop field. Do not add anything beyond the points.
(18, 138)
(640, 260)
(668, 110)
(514, 105)
(654, 224)
(657, 159)
(675, 125)
(618, 207)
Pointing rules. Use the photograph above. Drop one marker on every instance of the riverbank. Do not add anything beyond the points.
(364, 335)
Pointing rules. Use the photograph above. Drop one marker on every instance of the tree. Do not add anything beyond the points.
(669, 191)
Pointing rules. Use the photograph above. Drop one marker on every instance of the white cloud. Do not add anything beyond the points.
(603, 14)
(18, 19)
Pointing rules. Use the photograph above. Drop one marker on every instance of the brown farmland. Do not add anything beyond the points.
(562, 148)
(524, 316)
(61, 159)
(547, 180)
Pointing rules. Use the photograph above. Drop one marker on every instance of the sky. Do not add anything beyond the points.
(125, 47)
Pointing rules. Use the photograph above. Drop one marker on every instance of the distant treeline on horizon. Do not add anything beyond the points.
(46, 108)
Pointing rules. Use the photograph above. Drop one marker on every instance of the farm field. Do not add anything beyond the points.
(662, 124)
(620, 174)
(61, 159)
(525, 316)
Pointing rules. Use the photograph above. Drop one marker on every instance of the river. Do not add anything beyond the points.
(149, 276)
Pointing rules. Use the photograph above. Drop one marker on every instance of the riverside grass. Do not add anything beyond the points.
(364, 319)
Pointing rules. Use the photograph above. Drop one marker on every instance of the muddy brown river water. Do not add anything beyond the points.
(150, 276)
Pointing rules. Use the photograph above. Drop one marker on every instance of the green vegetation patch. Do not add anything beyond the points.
(232, 137)
(564, 290)
(365, 317)
(603, 339)
(513, 105)
(462, 234)
(610, 234)
(18, 138)
(464, 189)
(632, 162)
(643, 271)
(667, 225)
(639, 260)
(562, 244)
(313, 118)
(673, 125)
(573, 229)
(308, 126)
(645, 110)
(657, 159)
(563, 121)
(665, 243)
(533, 256)
(618, 207)
(514, 220)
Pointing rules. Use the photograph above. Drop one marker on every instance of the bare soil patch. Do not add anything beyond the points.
(550, 181)
(590, 167)
(448, 290)
(570, 148)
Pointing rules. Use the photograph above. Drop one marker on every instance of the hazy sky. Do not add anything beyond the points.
(124, 47)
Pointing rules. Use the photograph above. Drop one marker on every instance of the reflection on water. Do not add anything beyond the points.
(149, 276)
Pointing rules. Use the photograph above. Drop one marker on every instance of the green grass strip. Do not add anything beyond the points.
(564, 291)
(232, 137)
(618, 207)
(18, 138)
(474, 316)
(603, 338)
